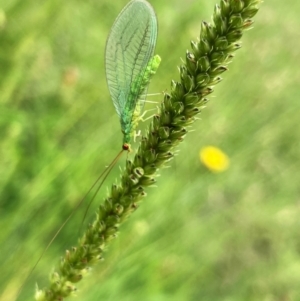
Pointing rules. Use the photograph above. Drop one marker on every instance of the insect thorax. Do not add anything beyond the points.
(129, 122)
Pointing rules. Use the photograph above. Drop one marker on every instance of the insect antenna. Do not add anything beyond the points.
(103, 175)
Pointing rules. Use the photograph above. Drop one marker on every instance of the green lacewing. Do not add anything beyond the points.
(130, 63)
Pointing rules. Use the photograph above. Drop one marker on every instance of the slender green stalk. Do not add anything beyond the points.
(208, 59)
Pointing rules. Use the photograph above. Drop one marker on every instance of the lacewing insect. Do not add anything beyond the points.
(130, 63)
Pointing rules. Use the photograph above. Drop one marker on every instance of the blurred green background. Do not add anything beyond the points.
(198, 235)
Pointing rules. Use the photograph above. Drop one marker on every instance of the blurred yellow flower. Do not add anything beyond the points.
(214, 159)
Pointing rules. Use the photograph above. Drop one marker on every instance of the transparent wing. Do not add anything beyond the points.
(129, 47)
